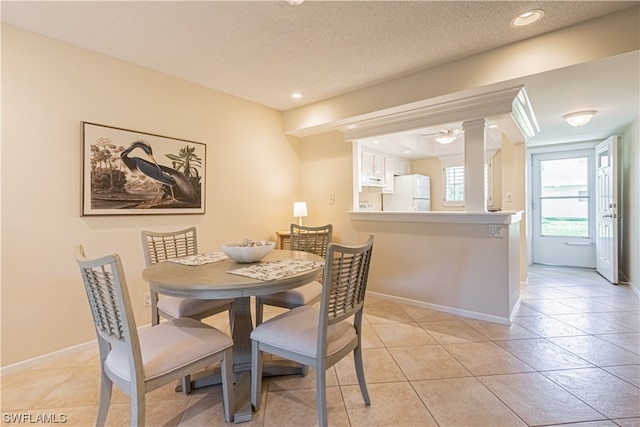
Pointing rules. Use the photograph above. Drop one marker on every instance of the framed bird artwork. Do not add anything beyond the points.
(126, 172)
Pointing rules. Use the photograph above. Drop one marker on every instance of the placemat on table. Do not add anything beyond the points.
(276, 269)
(200, 259)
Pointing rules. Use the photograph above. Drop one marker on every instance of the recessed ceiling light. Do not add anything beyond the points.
(527, 18)
(296, 95)
(579, 118)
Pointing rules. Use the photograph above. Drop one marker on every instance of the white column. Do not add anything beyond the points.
(474, 153)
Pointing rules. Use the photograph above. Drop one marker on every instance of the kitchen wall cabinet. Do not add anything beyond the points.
(372, 170)
(367, 163)
(402, 167)
(389, 168)
(373, 164)
(378, 165)
(378, 169)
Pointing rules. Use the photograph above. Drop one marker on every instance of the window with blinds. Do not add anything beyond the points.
(454, 185)
(453, 178)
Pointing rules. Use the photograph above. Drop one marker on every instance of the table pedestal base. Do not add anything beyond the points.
(242, 364)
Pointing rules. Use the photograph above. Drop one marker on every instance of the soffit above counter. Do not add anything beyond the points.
(408, 132)
(495, 103)
(424, 114)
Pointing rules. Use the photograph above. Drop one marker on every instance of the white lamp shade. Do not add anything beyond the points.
(299, 209)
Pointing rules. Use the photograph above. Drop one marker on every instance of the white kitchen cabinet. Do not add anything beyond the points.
(402, 167)
(378, 165)
(389, 167)
(367, 163)
(372, 169)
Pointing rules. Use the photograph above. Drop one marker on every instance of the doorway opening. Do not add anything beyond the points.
(563, 207)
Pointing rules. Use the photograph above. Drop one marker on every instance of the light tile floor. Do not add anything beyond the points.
(571, 357)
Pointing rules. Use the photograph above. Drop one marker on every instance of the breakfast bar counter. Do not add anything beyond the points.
(463, 263)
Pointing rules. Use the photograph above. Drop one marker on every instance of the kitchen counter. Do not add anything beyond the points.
(464, 263)
(453, 217)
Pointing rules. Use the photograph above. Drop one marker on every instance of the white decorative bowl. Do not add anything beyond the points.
(245, 253)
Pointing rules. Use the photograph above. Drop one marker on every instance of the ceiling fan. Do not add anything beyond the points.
(446, 136)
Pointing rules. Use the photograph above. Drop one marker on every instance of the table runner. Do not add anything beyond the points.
(277, 269)
(200, 259)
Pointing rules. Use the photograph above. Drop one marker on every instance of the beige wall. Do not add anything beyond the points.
(326, 168)
(48, 88)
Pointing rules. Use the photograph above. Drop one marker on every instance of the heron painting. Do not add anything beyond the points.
(128, 172)
(169, 178)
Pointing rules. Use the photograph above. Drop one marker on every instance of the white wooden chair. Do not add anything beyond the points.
(162, 246)
(139, 361)
(319, 338)
(307, 239)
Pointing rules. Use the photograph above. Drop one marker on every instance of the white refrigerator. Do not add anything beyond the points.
(410, 193)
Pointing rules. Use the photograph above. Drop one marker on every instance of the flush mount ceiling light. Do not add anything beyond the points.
(445, 139)
(527, 18)
(579, 118)
(295, 2)
(296, 95)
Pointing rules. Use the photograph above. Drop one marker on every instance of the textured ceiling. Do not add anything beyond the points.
(263, 51)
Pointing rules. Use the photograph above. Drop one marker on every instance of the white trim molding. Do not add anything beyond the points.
(449, 217)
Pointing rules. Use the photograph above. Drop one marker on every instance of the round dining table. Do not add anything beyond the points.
(214, 281)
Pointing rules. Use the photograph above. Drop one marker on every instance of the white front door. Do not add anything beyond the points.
(607, 209)
(563, 205)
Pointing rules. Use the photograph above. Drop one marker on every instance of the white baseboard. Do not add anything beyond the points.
(634, 289)
(50, 357)
(46, 358)
(443, 308)
(624, 280)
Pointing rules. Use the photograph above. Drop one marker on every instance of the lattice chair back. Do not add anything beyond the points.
(311, 239)
(346, 273)
(162, 246)
(106, 289)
